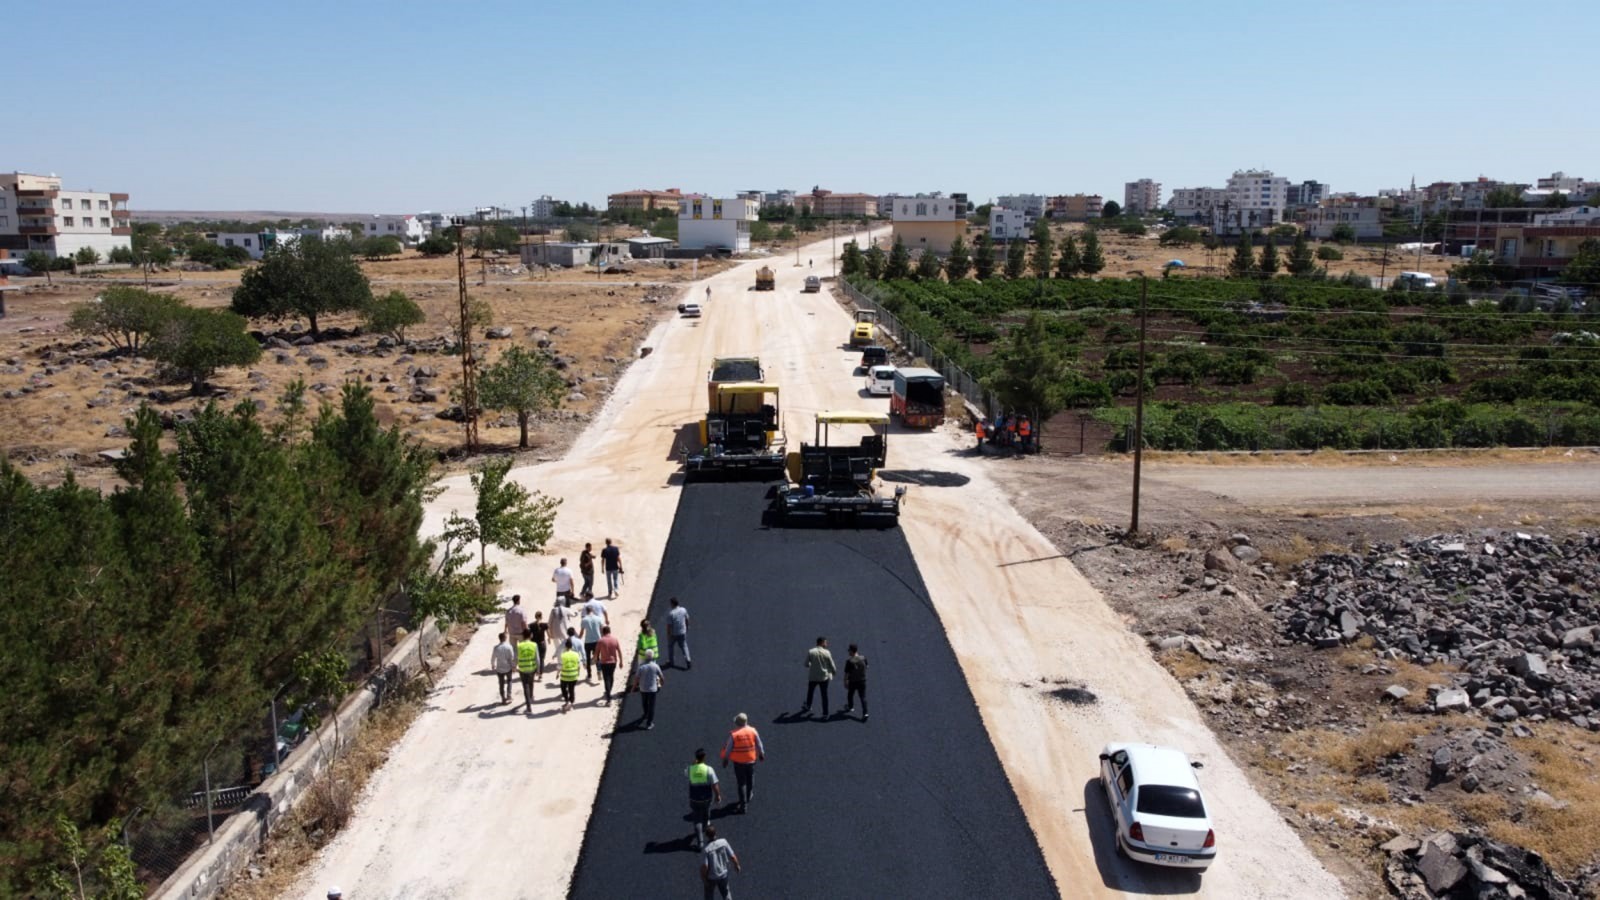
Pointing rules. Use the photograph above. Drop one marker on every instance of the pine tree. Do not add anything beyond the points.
(1044, 250)
(876, 262)
(899, 261)
(1093, 259)
(1301, 260)
(1016, 259)
(852, 263)
(1071, 262)
(1243, 264)
(983, 258)
(1269, 258)
(959, 263)
(929, 266)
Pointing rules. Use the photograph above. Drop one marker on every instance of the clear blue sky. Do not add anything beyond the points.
(400, 106)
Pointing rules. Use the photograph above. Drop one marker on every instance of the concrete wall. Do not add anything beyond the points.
(209, 869)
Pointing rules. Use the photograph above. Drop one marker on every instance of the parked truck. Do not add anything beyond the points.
(918, 397)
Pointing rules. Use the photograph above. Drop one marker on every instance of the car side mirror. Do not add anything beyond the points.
(1105, 756)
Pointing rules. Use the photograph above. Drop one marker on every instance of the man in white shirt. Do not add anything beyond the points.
(563, 582)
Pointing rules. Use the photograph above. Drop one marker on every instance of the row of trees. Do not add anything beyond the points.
(981, 260)
(190, 343)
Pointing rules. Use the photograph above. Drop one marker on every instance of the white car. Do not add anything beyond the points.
(690, 310)
(1160, 813)
(880, 380)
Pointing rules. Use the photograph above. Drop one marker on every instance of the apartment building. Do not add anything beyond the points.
(409, 229)
(36, 213)
(770, 199)
(1545, 247)
(1032, 206)
(434, 222)
(1305, 194)
(838, 206)
(1366, 220)
(1195, 204)
(1142, 197)
(1567, 184)
(668, 199)
(710, 223)
(928, 222)
(1008, 224)
(1075, 207)
(1256, 199)
(543, 208)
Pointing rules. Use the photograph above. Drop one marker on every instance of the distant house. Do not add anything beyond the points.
(1195, 204)
(838, 206)
(929, 223)
(1365, 221)
(1007, 224)
(668, 199)
(254, 243)
(711, 223)
(1075, 207)
(1030, 205)
(648, 247)
(409, 229)
(569, 254)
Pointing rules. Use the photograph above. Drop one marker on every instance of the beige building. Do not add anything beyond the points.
(928, 223)
(1076, 207)
(646, 200)
(837, 206)
(36, 213)
(1142, 197)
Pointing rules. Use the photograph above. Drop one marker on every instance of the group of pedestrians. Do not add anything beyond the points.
(820, 671)
(1011, 431)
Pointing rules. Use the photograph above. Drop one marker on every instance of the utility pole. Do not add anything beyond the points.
(1138, 408)
(835, 239)
(469, 365)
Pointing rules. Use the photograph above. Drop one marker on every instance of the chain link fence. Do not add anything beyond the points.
(162, 837)
(957, 378)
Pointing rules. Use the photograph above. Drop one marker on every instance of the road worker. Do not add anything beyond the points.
(703, 791)
(743, 749)
(978, 430)
(571, 671)
(1025, 432)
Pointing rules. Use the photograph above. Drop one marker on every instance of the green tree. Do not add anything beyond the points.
(983, 256)
(1478, 273)
(1110, 210)
(1556, 200)
(439, 243)
(1034, 370)
(959, 263)
(786, 233)
(39, 261)
(1301, 261)
(1181, 235)
(1585, 266)
(1016, 259)
(508, 515)
(306, 278)
(1243, 264)
(581, 232)
(852, 262)
(86, 256)
(1268, 265)
(1071, 262)
(392, 314)
(929, 266)
(195, 343)
(1503, 197)
(760, 232)
(381, 246)
(899, 261)
(1330, 254)
(522, 382)
(1092, 259)
(1132, 228)
(1343, 233)
(125, 316)
(1044, 250)
(877, 262)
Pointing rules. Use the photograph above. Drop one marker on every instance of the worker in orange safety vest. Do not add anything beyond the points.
(1025, 432)
(743, 748)
(977, 430)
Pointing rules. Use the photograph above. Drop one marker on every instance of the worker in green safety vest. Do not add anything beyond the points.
(703, 791)
(647, 641)
(527, 666)
(571, 670)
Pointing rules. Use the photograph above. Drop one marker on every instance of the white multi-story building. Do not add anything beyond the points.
(1306, 194)
(544, 207)
(1561, 181)
(1365, 221)
(1007, 224)
(1142, 197)
(409, 229)
(777, 198)
(1030, 205)
(708, 223)
(1584, 216)
(1196, 204)
(37, 214)
(1256, 199)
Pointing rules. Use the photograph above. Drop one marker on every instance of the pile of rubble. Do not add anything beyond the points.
(1517, 614)
(1449, 865)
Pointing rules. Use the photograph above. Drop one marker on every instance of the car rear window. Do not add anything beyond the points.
(1166, 800)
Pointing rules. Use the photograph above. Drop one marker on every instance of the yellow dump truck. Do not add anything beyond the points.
(765, 279)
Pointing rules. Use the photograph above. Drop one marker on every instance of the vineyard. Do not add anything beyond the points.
(1286, 363)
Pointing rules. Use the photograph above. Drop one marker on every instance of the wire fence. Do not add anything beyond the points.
(161, 838)
(958, 379)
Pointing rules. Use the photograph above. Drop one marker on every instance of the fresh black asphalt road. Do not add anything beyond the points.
(910, 804)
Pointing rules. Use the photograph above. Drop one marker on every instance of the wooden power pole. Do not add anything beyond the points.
(1138, 409)
(469, 363)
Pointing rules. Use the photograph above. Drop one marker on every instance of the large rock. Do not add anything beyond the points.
(1438, 865)
(1245, 553)
(1452, 700)
(1218, 560)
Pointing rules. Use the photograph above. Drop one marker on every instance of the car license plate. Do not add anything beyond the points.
(1171, 858)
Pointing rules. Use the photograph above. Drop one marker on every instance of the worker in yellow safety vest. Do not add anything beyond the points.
(743, 749)
(527, 666)
(703, 791)
(571, 671)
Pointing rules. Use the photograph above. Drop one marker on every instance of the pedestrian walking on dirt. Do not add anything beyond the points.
(586, 569)
(529, 655)
(611, 558)
(516, 618)
(563, 581)
(573, 641)
(571, 669)
(703, 791)
(678, 634)
(650, 678)
(608, 653)
(591, 639)
(561, 619)
(648, 642)
(743, 749)
(715, 861)
(819, 671)
(503, 660)
(598, 607)
(538, 632)
(855, 682)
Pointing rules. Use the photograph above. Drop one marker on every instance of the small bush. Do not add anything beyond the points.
(1367, 392)
(1292, 393)
(1326, 252)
